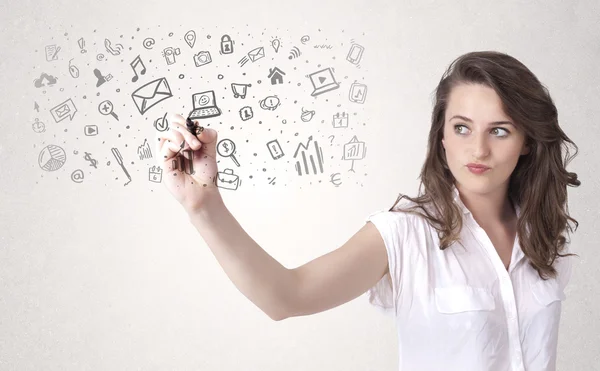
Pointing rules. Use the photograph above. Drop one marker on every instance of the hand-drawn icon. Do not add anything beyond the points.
(100, 57)
(39, 82)
(340, 121)
(119, 159)
(101, 79)
(323, 46)
(253, 55)
(355, 54)
(180, 161)
(148, 43)
(77, 176)
(81, 43)
(272, 181)
(239, 90)
(155, 174)
(52, 52)
(270, 103)
(246, 113)
(226, 179)
(106, 108)
(36, 106)
(137, 61)
(323, 81)
(150, 94)
(358, 92)
(276, 43)
(190, 38)
(226, 44)
(226, 148)
(169, 53)
(90, 130)
(110, 49)
(144, 151)
(52, 158)
(205, 105)
(275, 149)
(295, 53)
(302, 164)
(93, 162)
(306, 116)
(38, 126)
(335, 179)
(202, 58)
(331, 137)
(73, 70)
(305, 39)
(161, 124)
(64, 110)
(276, 76)
(354, 150)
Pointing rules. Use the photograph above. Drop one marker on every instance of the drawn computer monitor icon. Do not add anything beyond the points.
(205, 105)
(323, 81)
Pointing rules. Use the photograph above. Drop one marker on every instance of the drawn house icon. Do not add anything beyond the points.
(276, 76)
(308, 161)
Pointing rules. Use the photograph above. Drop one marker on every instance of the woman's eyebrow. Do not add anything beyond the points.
(491, 123)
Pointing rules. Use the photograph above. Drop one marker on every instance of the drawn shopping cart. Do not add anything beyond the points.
(239, 90)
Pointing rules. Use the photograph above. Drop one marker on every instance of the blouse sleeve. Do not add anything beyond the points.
(392, 225)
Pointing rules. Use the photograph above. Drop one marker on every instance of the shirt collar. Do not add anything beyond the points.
(465, 210)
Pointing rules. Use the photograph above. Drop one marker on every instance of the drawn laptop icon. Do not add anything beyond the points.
(323, 81)
(204, 105)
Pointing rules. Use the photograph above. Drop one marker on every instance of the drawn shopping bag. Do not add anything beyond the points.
(227, 179)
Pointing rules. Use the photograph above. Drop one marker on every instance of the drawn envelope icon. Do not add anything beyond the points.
(151, 94)
(256, 54)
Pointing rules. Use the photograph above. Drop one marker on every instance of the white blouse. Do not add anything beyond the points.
(460, 309)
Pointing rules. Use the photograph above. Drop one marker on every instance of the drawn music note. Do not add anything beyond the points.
(134, 64)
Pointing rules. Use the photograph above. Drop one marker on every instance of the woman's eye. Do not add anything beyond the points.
(502, 130)
(459, 126)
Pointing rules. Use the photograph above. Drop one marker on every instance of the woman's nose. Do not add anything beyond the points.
(481, 147)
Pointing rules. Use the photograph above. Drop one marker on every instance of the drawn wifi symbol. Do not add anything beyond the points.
(294, 53)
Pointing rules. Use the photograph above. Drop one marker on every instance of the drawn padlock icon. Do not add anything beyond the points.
(226, 45)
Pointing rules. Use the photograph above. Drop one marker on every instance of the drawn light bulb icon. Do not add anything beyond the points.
(275, 44)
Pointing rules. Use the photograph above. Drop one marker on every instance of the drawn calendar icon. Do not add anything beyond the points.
(340, 121)
(155, 174)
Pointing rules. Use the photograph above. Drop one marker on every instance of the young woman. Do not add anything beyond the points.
(474, 269)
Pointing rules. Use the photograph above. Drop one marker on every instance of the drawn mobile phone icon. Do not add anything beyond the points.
(275, 149)
(355, 54)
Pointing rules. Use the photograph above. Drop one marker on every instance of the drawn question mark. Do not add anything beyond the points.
(331, 140)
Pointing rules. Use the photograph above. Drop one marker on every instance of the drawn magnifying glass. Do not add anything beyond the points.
(106, 108)
(225, 148)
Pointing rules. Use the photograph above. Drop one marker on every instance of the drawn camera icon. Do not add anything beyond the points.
(202, 58)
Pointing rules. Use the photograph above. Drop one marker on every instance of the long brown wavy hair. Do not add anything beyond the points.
(539, 181)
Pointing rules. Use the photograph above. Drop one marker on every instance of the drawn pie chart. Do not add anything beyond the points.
(52, 158)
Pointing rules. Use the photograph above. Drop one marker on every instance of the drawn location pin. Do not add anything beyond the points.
(190, 38)
(275, 44)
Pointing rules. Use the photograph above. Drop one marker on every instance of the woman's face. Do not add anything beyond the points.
(475, 138)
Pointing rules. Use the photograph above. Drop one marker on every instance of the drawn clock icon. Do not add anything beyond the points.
(38, 126)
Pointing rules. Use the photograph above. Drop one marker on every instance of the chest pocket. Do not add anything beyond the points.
(457, 299)
(547, 292)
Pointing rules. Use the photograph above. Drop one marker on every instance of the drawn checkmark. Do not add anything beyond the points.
(162, 124)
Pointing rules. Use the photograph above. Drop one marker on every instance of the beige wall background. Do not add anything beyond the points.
(101, 276)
